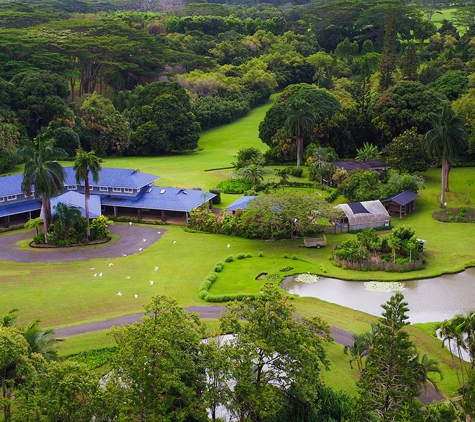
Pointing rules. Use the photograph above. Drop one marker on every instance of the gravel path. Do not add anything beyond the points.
(131, 239)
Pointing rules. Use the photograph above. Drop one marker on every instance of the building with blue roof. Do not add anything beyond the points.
(119, 192)
(240, 203)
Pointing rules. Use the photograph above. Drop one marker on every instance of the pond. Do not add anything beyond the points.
(429, 300)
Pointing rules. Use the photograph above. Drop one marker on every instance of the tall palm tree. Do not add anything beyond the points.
(45, 174)
(86, 163)
(41, 341)
(447, 139)
(300, 123)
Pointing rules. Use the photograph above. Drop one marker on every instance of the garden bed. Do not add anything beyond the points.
(73, 245)
(379, 265)
(455, 215)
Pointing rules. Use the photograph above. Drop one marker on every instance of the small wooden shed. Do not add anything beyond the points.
(401, 204)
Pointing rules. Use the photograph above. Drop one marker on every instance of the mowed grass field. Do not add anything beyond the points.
(67, 293)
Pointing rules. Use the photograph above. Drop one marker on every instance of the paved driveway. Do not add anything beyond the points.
(131, 239)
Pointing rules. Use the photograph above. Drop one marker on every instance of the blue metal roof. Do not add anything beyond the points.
(20, 207)
(114, 178)
(161, 198)
(403, 198)
(241, 203)
(11, 185)
(76, 200)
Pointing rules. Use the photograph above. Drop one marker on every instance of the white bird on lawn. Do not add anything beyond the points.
(130, 223)
(111, 264)
(174, 241)
(155, 268)
(127, 277)
(95, 275)
(136, 296)
(140, 249)
(92, 268)
(124, 254)
(229, 245)
(100, 274)
(151, 282)
(119, 294)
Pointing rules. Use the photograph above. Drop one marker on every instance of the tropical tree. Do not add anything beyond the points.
(34, 223)
(447, 139)
(424, 368)
(9, 319)
(274, 358)
(253, 173)
(359, 349)
(300, 123)
(66, 219)
(86, 163)
(43, 173)
(41, 341)
(368, 152)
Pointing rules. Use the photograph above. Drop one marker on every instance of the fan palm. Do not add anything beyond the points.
(447, 139)
(86, 163)
(45, 174)
(300, 123)
(424, 368)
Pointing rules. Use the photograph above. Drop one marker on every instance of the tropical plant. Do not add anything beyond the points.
(34, 223)
(41, 341)
(362, 344)
(446, 140)
(65, 220)
(9, 319)
(252, 173)
(86, 163)
(424, 368)
(300, 123)
(43, 173)
(368, 152)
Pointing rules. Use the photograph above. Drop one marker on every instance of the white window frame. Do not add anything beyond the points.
(2, 199)
(116, 190)
(103, 189)
(128, 190)
(11, 198)
(73, 187)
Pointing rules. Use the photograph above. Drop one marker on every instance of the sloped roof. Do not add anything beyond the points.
(114, 178)
(161, 198)
(241, 203)
(11, 185)
(402, 198)
(365, 212)
(362, 165)
(20, 207)
(76, 200)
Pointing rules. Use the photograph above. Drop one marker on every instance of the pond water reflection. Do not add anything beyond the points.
(429, 300)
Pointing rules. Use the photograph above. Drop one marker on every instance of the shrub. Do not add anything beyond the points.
(39, 238)
(294, 258)
(219, 267)
(261, 255)
(241, 256)
(249, 255)
(99, 228)
(294, 171)
(286, 269)
(230, 258)
(234, 186)
(217, 198)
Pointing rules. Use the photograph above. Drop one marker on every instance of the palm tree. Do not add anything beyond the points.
(85, 163)
(447, 139)
(44, 173)
(360, 349)
(253, 173)
(300, 123)
(9, 319)
(41, 341)
(65, 219)
(426, 366)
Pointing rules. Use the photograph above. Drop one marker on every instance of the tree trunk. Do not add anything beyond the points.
(442, 190)
(86, 203)
(299, 139)
(46, 203)
(447, 171)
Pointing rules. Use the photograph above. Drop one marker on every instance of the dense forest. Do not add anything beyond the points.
(143, 78)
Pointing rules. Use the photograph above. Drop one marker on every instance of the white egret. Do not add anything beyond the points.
(128, 277)
(111, 264)
(136, 296)
(140, 249)
(100, 274)
(151, 282)
(119, 294)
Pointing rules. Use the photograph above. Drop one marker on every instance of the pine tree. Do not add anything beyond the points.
(387, 65)
(388, 386)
